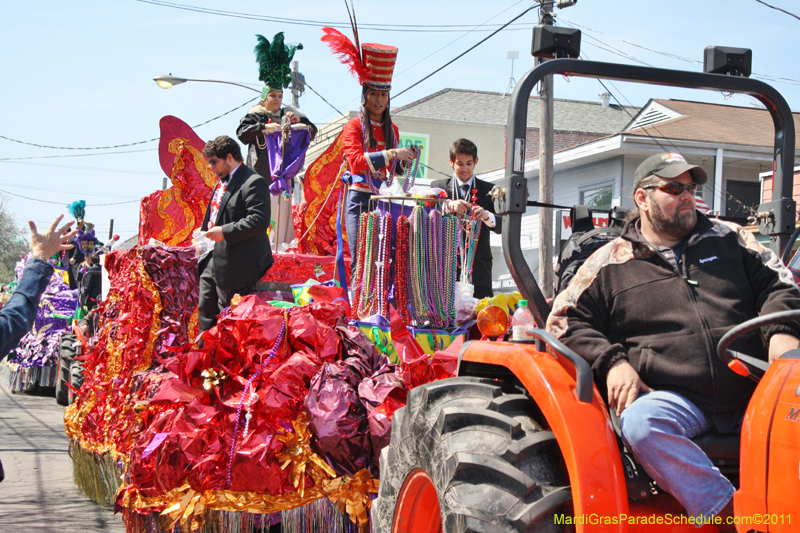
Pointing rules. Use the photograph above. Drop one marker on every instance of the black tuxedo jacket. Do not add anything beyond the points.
(482, 266)
(244, 255)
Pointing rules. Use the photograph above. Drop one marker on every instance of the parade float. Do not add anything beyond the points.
(280, 414)
(34, 363)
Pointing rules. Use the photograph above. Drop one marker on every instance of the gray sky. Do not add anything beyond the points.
(79, 74)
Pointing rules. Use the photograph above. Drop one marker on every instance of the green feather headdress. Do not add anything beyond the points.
(273, 62)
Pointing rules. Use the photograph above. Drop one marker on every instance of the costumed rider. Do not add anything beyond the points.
(469, 195)
(369, 140)
(267, 116)
(647, 311)
(75, 255)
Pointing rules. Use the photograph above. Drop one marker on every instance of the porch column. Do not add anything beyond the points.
(719, 195)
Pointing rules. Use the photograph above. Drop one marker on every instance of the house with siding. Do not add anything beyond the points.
(437, 120)
(733, 144)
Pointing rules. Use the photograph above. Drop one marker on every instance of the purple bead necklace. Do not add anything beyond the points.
(272, 353)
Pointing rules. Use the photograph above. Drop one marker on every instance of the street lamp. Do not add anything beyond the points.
(165, 81)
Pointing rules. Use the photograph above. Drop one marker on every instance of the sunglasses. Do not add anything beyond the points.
(675, 188)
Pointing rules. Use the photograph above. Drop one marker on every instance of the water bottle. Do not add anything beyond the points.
(521, 322)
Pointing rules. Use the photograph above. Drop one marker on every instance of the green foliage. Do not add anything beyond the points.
(12, 243)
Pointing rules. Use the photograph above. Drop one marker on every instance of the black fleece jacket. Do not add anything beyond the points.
(629, 302)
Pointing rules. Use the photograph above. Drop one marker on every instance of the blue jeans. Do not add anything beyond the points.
(657, 428)
(357, 203)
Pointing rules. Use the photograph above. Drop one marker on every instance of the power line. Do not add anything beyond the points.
(426, 57)
(618, 52)
(401, 28)
(127, 144)
(323, 99)
(62, 203)
(789, 81)
(119, 171)
(97, 192)
(458, 38)
(467, 50)
(778, 9)
(421, 60)
(60, 156)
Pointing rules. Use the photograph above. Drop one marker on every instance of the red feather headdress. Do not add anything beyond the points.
(348, 53)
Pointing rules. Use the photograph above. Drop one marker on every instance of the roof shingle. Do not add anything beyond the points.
(492, 108)
(716, 123)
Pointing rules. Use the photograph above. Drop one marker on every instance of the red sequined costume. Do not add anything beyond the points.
(359, 162)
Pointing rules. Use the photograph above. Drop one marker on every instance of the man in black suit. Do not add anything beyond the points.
(236, 220)
(460, 190)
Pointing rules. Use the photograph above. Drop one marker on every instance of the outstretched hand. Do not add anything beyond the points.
(51, 241)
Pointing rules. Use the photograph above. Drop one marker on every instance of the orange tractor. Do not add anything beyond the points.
(522, 440)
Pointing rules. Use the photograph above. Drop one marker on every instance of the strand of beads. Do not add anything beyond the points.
(359, 270)
(410, 174)
(382, 267)
(472, 232)
(435, 269)
(247, 388)
(418, 279)
(401, 268)
(369, 270)
(451, 265)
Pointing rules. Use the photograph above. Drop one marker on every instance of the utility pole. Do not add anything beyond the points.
(298, 84)
(546, 168)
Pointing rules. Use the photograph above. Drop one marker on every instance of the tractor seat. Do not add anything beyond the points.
(723, 450)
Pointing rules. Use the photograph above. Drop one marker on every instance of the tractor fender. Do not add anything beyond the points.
(769, 445)
(583, 430)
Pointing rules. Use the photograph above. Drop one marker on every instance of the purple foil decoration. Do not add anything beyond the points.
(284, 167)
(36, 350)
(173, 270)
(39, 347)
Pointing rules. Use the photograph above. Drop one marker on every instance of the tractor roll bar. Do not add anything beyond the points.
(584, 390)
(511, 196)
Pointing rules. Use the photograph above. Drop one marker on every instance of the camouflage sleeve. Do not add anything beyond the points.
(580, 315)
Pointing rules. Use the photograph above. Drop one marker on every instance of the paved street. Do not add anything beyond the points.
(38, 494)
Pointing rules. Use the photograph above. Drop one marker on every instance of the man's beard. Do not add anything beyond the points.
(677, 226)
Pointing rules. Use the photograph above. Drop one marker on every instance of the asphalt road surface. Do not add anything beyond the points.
(38, 494)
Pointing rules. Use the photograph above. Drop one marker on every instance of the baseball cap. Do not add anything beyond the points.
(667, 165)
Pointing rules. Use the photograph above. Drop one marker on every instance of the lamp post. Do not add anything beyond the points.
(165, 81)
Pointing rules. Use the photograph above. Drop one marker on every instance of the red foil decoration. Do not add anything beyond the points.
(293, 268)
(171, 215)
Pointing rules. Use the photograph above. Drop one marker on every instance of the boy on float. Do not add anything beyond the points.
(468, 194)
(370, 140)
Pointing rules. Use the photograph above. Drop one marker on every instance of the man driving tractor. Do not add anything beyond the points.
(647, 312)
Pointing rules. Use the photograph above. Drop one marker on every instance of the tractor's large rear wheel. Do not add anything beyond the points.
(468, 455)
